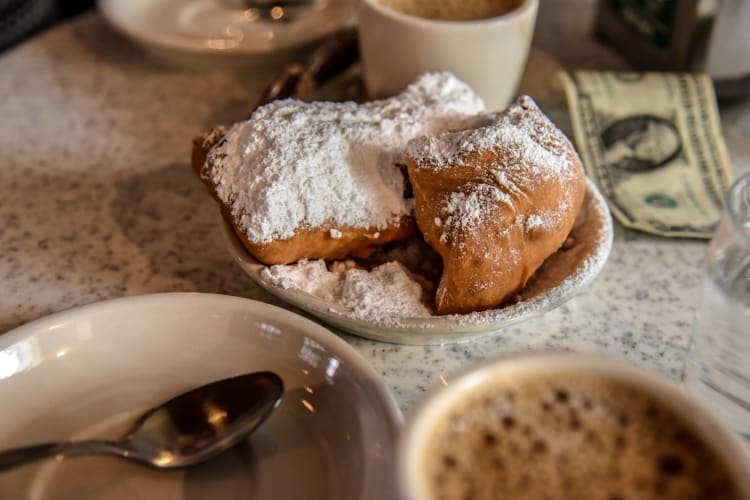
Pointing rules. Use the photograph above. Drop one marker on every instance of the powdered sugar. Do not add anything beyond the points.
(521, 130)
(529, 150)
(309, 276)
(381, 295)
(298, 165)
(469, 210)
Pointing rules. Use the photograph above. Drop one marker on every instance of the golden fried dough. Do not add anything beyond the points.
(322, 179)
(324, 242)
(494, 202)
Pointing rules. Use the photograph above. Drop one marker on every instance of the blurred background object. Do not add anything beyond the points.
(227, 34)
(683, 35)
(728, 53)
(22, 18)
(655, 34)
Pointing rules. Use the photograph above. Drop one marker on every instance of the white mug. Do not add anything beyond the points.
(489, 53)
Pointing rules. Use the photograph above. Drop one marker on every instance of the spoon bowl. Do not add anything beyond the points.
(189, 429)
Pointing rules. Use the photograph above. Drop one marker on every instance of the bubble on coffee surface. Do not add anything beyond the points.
(570, 437)
(453, 10)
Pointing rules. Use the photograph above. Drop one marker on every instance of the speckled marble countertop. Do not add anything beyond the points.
(97, 201)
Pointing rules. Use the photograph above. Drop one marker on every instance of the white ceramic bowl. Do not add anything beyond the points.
(89, 371)
(560, 278)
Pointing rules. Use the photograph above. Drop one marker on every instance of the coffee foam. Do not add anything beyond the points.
(570, 437)
(453, 10)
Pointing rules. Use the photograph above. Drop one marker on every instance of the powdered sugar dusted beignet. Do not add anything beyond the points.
(494, 202)
(320, 179)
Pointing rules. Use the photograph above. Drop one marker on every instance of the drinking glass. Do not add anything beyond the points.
(718, 364)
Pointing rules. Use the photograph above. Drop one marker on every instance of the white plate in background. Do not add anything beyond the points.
(220, 32)
(89, 371)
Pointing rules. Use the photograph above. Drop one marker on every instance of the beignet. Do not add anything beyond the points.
(321, 179)
(494, 201)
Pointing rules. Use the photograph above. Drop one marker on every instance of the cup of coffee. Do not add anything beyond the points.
(483, 42)
(562, 425)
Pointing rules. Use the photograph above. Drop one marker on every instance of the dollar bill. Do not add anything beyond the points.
(652, 142)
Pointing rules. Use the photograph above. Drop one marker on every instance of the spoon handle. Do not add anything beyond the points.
(19, 456)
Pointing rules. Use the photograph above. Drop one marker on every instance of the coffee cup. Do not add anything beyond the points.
(483, 42)
(561, 425)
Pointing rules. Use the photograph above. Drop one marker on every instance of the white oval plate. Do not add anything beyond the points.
(560, 277)
(89, 371)
(204, 32)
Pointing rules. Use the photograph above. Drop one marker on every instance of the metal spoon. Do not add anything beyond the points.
(186, 430)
